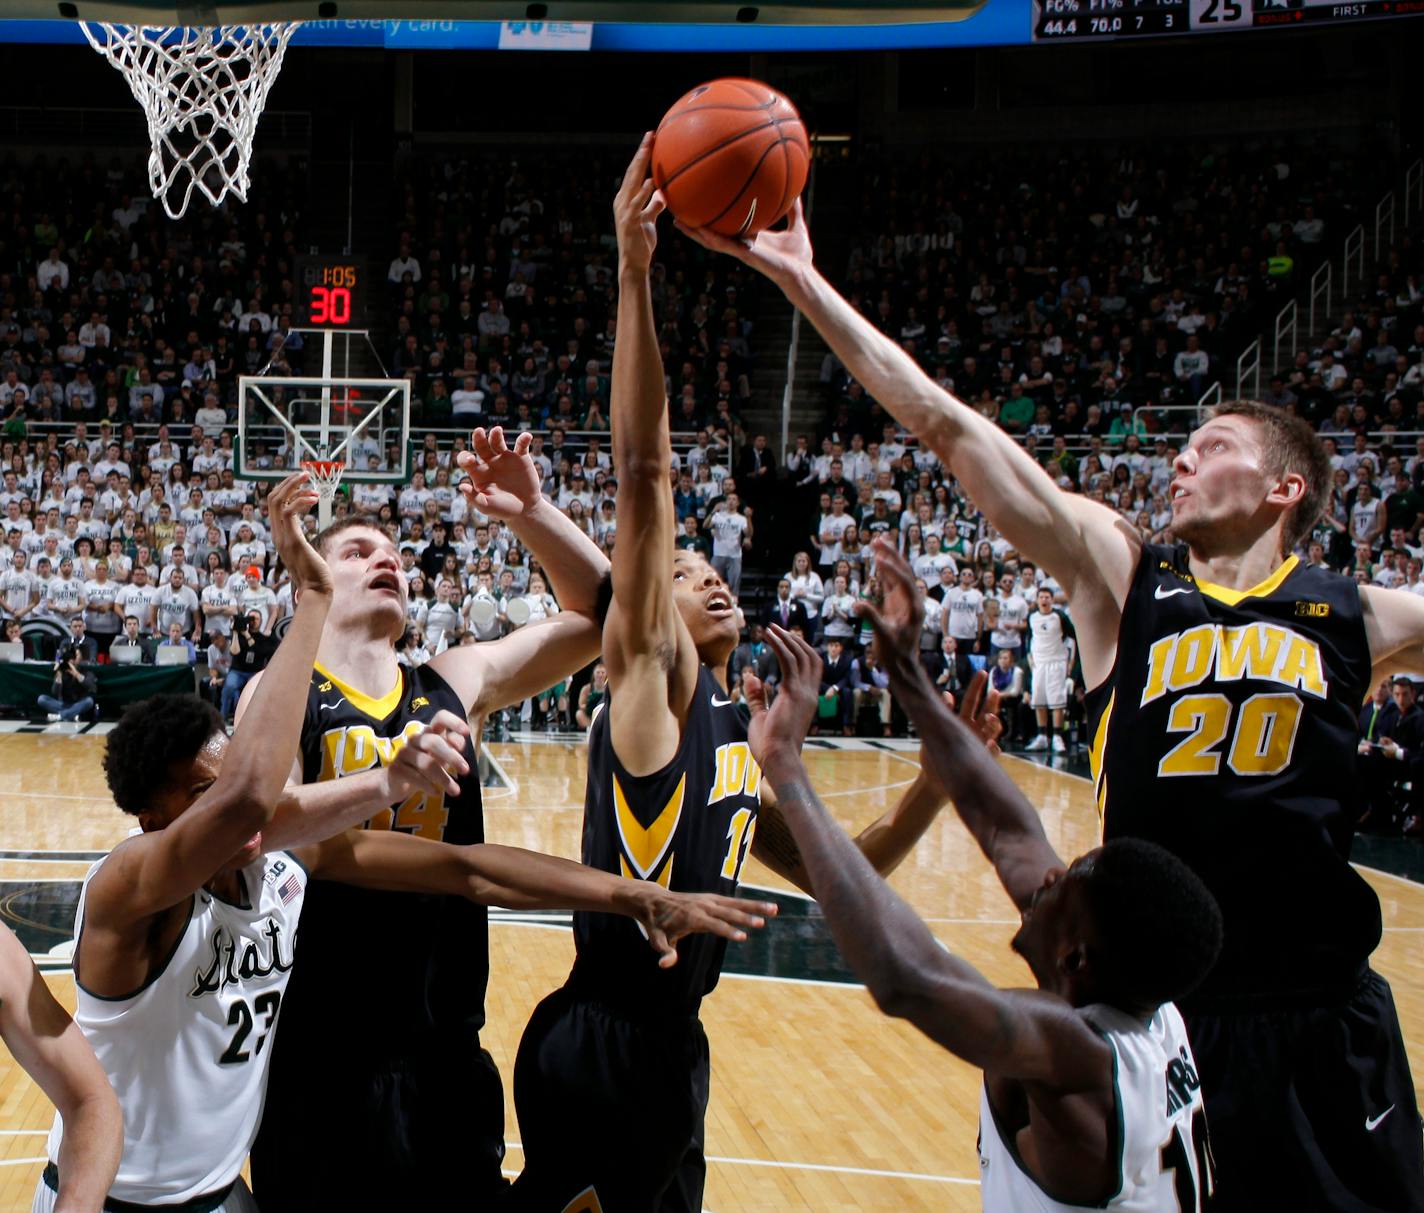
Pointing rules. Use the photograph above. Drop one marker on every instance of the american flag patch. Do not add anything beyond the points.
(289, 889)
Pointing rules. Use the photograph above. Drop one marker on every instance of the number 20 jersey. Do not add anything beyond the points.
(1226, 733)
(688, 827)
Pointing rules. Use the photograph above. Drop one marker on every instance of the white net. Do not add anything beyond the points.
(325, 476)
(202, 89)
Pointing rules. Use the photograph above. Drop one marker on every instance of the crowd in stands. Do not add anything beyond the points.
(1074, 299)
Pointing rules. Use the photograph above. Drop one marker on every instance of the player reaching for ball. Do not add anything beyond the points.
(1091, 1097)
(407, 1083)
(611, 1080)
(1224, 679)
(187, 930)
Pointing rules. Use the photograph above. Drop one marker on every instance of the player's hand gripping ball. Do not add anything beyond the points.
(732, 156)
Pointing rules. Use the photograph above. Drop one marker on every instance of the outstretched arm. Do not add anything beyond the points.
(644, 642)
(1011, 1034)
(52, 1050)
(151, 871)
(504, 483)
(1002, 821)
(1394, 627)
(1090, 551)
(509, 876)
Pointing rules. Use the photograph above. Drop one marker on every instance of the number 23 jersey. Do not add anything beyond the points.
(1226, 733)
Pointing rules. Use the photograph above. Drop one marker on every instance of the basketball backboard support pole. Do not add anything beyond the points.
(304, 409)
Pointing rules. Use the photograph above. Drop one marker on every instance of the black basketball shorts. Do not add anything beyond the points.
(419, 1132)
(611, 1110)
(1312, 1108)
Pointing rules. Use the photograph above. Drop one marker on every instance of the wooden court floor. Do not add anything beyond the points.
(818, 1102)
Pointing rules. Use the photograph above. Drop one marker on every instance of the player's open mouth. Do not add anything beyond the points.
(386, 581)
(1178, 492)
(719, 604)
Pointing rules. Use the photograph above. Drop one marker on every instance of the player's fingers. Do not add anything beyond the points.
(446, 721)
(428, 782)
(741, 911)
(777, 639)
(796, 216)
(659, 942)
(480, 441)
(432, 772)
(655, 205)
(754, 692)
(497, 442)
(522, 443)
(442, 751)
(638, 166)
(974, 696)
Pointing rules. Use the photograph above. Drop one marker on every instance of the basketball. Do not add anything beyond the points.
(731, 156)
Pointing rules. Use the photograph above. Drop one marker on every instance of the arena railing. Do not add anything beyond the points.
(1320, 292)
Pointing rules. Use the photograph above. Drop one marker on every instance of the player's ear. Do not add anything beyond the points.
(1288, 490)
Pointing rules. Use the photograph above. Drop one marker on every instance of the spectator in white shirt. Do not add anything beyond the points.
(52, 273)
(731, 534)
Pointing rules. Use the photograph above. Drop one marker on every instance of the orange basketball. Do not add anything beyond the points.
(732, 156)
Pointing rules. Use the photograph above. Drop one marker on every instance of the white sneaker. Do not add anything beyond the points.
(52, 716)
(1058, 746)
(1038, 743)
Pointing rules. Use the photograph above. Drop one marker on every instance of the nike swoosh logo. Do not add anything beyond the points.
(328, 707)
(1373, 1123)
(721, 703)
(1159, 593)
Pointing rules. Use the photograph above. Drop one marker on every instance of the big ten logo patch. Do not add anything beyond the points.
(358, 748)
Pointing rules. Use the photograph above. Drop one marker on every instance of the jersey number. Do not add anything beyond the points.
(1185, 1178)
(239, 1017)
(419, 813)
(1262, 743)
(739, 842)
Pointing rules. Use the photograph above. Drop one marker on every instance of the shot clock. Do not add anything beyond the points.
(330, 293)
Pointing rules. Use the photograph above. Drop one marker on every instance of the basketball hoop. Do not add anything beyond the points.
(202, 89)
(325, 476)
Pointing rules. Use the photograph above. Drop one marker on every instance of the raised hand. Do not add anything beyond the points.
(900, 616)
(670, 916)
(503, 480)
(780, 255)
(287, 505)
(635, 211)
(784, 725)
(980, 711)
(429, 762)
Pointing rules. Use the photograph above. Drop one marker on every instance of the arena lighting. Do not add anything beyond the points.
(778, 12)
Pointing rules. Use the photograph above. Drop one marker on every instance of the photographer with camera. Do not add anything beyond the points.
(72, 692)
(252, 649)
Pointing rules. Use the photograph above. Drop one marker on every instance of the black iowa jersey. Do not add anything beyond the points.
(1226, 733)
(689, 827)
(384, 971)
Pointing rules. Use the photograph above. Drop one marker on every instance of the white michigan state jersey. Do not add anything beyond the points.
(1163, 1157)
(188, 1053)
(1049, 635)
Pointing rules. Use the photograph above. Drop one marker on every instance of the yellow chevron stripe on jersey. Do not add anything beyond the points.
(1231, 597)
(585, 1202)
(663, 878)
(376, 709)
(1095, 756)
(645, 845)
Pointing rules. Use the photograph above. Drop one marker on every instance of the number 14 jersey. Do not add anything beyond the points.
(1226, 733)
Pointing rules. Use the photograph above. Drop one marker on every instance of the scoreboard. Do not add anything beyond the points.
(1078, 20)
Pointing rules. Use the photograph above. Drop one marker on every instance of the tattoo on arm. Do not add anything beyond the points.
(775, 844)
